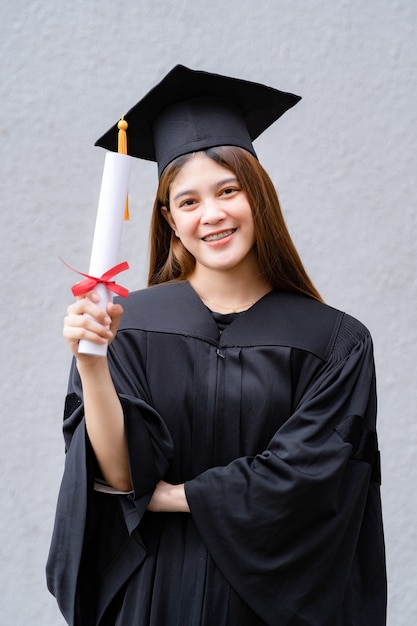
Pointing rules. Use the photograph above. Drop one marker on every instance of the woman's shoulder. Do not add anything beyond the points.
(151, 296)
(310, 325)
(309, 310)
(158, 307)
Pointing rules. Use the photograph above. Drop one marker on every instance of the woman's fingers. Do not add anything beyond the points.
(83, 326)
(88, 304)
(115, 312)
(85, 320)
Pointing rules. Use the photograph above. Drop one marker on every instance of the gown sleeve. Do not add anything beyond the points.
(96, 543)
(296, 529)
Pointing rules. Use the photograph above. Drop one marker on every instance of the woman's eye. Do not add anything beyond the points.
(187, 203)
(229, 190)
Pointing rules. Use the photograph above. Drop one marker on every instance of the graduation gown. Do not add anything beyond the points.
(271, 426)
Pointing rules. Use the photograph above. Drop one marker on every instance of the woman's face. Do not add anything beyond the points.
(211, 215)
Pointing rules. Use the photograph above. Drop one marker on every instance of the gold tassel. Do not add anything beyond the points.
(122, 148)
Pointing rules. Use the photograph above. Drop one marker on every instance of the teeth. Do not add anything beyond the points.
(219, 236)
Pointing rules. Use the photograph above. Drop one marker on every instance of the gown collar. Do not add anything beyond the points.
(278, 318)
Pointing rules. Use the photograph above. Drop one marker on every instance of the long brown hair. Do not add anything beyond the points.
(278, 258)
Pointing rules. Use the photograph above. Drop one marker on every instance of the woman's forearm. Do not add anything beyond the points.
(105, 422)
(168, 498)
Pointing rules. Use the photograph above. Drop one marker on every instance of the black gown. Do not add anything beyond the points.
(271, 426)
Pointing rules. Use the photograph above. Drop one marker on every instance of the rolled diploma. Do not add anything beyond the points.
(108, 232)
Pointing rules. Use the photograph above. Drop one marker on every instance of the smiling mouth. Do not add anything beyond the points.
(218, 236)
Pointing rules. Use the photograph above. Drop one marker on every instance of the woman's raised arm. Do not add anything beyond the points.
(103, 411)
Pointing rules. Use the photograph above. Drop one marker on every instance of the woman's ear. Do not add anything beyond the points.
(168, 216)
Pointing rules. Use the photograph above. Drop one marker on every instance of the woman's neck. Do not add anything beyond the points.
(228, 292)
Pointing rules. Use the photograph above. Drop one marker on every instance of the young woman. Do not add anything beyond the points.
(222, 463)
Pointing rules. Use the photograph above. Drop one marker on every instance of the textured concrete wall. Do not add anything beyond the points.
(344, 162)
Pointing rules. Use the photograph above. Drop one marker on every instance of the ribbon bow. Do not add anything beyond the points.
(84, 286)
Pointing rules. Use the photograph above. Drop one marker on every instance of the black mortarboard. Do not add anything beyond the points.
(192, 110)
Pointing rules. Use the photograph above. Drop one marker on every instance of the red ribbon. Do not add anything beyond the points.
(84, 286)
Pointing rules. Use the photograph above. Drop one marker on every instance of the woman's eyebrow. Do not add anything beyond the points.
(186, 192)
(220, 183)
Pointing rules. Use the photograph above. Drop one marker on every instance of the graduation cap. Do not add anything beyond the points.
(193, 110)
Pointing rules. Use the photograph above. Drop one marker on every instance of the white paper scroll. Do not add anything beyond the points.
(108, 232)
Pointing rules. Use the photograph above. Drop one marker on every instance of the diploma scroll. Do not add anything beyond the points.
(108, 232)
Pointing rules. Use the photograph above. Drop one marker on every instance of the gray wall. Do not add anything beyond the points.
(344, 163)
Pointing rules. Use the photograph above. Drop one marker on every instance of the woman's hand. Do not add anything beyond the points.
(85, 320)
(168, 498)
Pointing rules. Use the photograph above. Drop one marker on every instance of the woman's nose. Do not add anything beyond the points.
(212, 212)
